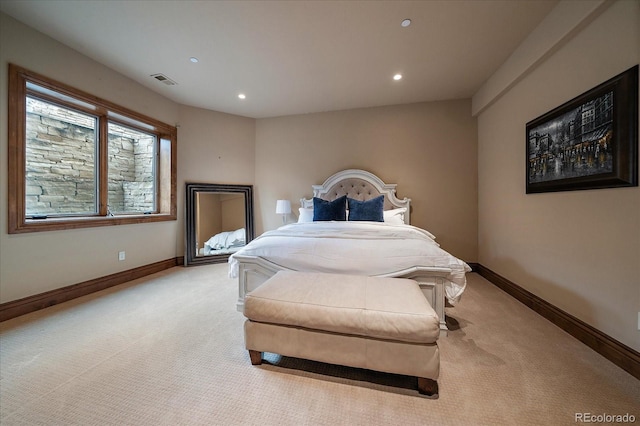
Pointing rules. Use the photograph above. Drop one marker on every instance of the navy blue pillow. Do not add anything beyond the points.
(330, 210)
(370, 210)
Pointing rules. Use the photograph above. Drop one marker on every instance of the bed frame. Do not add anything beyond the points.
(362, 185)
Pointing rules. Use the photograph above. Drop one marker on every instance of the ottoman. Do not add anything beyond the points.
(381, 324)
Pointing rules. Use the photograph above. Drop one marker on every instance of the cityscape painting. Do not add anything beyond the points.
(589, 142)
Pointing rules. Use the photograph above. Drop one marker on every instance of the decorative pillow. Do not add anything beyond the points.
(370, 210)
(329, 210)
(306, 215)
(395, 216)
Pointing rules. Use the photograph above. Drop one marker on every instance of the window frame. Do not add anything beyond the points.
(166, 173)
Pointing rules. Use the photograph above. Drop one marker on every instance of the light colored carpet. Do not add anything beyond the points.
(168, 350)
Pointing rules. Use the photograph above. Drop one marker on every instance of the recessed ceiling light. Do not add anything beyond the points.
(405, 22)
(397, 77)
(242, 96)
(193, 59)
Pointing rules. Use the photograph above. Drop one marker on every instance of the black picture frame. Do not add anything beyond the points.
(590, 142)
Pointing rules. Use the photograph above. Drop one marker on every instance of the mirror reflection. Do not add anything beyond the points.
(219, 221)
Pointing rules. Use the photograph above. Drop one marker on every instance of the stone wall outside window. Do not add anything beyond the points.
(61, 159)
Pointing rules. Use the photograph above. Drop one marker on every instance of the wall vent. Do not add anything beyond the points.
(164, 79)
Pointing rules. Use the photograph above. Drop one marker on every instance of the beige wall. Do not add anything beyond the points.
(37, 262)
(213, 147)
(578, 250)
(428, 149)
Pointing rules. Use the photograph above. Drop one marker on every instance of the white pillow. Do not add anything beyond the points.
(395, 216)
(306, 215)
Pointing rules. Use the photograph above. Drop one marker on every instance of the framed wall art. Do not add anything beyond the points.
(589, 142)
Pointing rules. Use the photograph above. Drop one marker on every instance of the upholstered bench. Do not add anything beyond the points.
(382, 324)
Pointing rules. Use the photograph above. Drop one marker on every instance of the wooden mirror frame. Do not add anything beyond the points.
(192, 189)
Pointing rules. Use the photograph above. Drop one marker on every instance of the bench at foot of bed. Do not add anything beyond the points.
(381, 324)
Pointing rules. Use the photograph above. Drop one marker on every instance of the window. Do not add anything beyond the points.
(79, 161)
(132, 155)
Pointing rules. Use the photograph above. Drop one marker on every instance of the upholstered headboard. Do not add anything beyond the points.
(361, 185)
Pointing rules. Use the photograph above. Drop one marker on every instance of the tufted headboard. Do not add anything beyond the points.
(360, 185)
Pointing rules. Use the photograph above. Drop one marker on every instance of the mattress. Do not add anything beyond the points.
(356, 248)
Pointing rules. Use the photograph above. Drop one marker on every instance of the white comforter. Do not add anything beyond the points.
(225, 240)
(371, 248)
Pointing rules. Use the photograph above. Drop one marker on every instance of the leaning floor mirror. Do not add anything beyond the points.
(219, 221)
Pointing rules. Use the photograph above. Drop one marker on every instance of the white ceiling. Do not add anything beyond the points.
(293, 57)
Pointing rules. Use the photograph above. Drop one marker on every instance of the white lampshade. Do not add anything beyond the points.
(283, 207)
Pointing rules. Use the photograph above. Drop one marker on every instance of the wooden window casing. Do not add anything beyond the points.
(166, 174)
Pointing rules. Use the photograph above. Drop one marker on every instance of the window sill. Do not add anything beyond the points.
(62, 223)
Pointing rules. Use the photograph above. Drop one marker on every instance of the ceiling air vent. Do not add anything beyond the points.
(164, 79)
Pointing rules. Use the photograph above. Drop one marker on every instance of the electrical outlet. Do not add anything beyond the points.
(121, 256)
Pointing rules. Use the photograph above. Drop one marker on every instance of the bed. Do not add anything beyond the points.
(388, 248)
(225, 242)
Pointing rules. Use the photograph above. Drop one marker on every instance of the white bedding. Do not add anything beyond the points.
(370, 248)
(224, 241)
